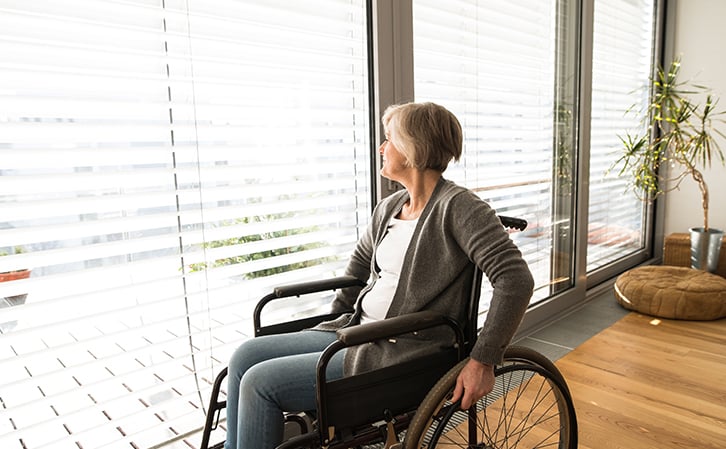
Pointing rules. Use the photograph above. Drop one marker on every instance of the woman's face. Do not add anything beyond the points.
(394, 163)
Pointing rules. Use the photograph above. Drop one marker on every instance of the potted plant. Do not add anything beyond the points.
(14, 275)
(14, 300)
(679, 141)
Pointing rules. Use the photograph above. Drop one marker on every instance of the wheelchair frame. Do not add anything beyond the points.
(420, 384)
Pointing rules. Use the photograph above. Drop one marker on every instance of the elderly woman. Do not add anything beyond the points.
(415, 255)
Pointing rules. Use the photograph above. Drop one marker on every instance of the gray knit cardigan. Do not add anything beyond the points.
(455, 229)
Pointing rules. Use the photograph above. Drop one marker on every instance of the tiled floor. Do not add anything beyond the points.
(565, 334)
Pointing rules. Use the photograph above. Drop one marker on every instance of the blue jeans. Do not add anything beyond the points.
(269, 375)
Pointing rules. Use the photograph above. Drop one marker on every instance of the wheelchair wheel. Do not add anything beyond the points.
(529, 407)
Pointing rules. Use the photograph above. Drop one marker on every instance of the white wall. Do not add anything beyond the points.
(698, 38)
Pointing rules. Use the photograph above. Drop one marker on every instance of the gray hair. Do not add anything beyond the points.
(428, 135)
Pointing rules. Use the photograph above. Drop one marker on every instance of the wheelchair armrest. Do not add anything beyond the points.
(388, 328)
(391, 327)
(298, 289)
(322, 285)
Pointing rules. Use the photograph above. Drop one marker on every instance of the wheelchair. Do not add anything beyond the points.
(408, 405)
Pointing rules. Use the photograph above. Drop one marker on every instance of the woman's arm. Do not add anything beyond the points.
(481, 235)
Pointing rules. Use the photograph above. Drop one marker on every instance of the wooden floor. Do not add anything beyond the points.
(647, 383)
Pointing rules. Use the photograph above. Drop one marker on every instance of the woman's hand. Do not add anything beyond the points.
(474, 381)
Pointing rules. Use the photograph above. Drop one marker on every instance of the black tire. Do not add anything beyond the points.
(530, 407)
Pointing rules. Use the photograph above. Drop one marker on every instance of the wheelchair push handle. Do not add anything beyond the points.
(518, 224)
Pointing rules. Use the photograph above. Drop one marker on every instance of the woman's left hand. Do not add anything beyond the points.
(474, 381)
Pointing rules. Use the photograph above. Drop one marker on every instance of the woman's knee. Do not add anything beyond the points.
(250, 382)
(257, 381)
(244, 357)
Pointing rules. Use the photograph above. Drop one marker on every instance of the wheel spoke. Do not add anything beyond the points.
(529, 407)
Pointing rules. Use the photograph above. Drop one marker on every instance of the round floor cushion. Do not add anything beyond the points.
(672, 292)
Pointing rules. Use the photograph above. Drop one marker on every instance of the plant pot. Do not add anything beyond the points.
(15, 300)
(14, 276)
(705, 248)
(8, 276)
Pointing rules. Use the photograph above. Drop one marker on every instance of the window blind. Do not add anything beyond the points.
(622, 59)
(493, 64)
(162, 163)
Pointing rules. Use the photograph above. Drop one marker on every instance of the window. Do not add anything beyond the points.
(622, 61)
(499, 68)
(511, 73)
(163, 162)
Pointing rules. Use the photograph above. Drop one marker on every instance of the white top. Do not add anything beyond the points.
(389, 258)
